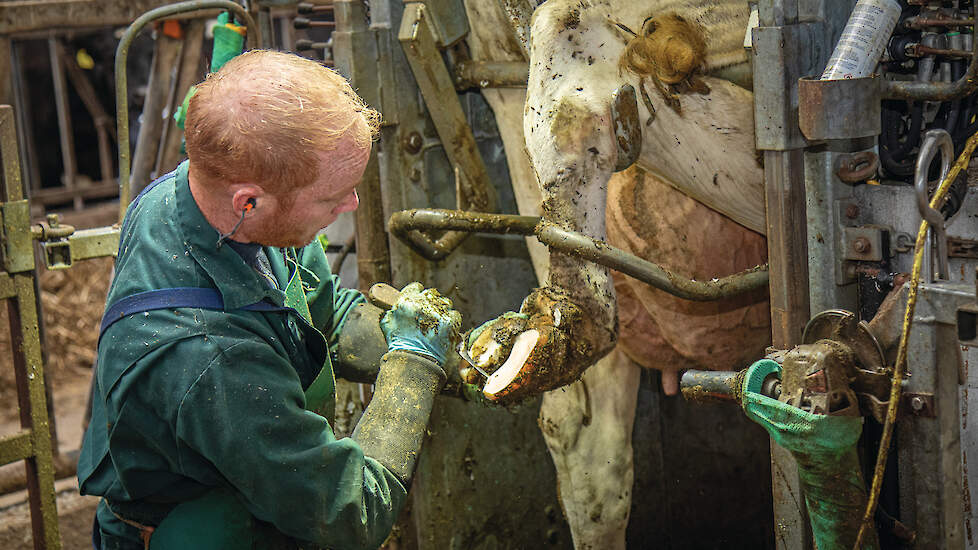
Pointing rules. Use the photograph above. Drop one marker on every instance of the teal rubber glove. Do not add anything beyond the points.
(423, 322)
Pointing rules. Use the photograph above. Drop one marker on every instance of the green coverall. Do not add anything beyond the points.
(191, 400)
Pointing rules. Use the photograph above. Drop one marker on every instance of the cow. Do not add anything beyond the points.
(694, 204)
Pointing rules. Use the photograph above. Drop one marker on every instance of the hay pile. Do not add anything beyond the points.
(72, 302)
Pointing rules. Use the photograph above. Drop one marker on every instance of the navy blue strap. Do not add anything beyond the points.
(170, 298)
(154, 183)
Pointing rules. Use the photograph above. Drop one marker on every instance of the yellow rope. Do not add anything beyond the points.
(898, 370)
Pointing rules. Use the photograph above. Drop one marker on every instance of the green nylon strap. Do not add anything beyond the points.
(321, 394)
(228, 43)
(824, 447)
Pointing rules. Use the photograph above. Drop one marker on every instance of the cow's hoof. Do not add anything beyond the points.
(526, 354)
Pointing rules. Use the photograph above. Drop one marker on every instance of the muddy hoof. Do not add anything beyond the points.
(525, 354)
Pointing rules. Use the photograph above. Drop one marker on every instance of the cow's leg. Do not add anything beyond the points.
(588, 429)
(569, 137)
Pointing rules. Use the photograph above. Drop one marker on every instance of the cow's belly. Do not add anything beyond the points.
(654, 221)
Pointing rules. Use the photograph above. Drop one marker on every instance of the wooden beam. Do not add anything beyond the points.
(166, 54)
(20, 16)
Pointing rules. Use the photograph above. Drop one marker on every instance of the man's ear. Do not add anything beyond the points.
(246, 197)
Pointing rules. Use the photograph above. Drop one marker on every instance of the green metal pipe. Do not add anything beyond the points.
(122, 83)
(406, 225)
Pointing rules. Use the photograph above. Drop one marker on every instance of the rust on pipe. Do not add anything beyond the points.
(936, 91)
(918, 23)
(407, 225)
(491, 74)
(920, 50)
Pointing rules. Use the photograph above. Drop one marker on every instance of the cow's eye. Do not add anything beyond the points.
(648, 25)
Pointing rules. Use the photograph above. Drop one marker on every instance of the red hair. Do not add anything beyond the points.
(266, 116)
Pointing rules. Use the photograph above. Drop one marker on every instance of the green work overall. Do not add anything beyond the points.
(202, 421)
(192, 524)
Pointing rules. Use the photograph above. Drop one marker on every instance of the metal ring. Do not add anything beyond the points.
(934, 140)
(857, 167)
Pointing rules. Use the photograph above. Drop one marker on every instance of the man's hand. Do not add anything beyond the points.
(422, 321)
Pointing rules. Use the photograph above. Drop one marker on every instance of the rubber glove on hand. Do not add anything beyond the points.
(422, 321)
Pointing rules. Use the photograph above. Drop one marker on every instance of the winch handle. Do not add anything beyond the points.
(383, 296)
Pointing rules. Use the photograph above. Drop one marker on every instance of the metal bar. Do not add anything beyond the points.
(418, 40)
(935, 91)
(13, 190)
(352, 35)
(65, 132)
(921, 50)
(707, 386)
(788, 259)
(309, 7)
(305, 23)
(6, 286)
(787, 245)
(29, 370)
(457, 220)
(918, 23)
(121, 79)
(94, 243)
(403, 224)
(15, 447)
(491, 74)
(601, 253)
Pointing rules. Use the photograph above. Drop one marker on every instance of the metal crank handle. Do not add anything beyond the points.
(383, 296)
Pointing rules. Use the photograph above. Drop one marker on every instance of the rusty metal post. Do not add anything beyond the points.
(784, 180)
(788, 49)
(33, 443)
(788, 264)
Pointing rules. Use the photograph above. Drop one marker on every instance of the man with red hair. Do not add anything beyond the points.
(214, 393)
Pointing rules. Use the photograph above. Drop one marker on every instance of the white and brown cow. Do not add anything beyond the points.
(694, 204)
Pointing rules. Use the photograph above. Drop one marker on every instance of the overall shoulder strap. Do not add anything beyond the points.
(320, 395)
(169, 298)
